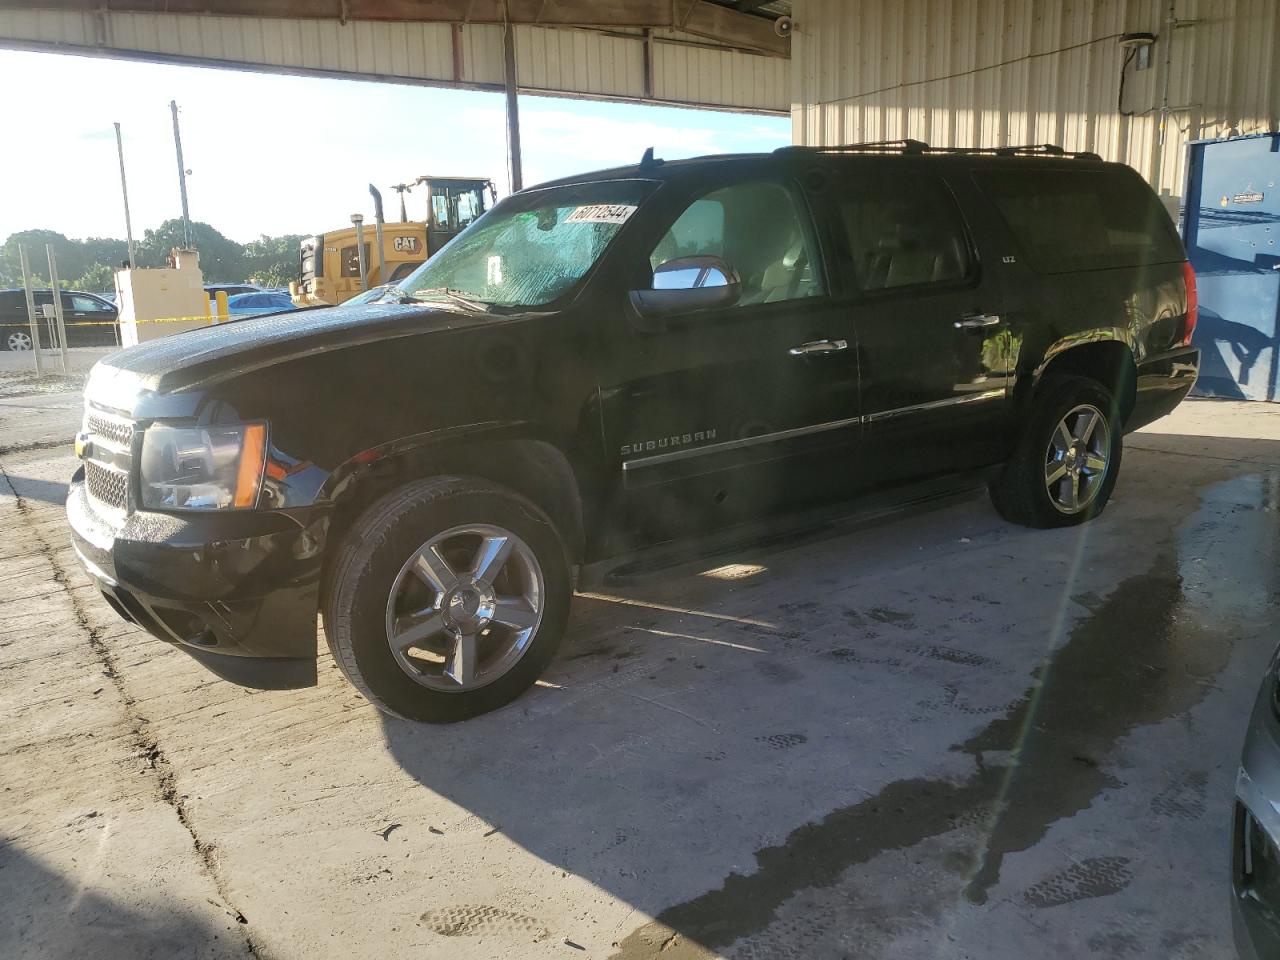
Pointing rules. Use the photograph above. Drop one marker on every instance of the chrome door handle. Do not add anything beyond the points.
(975, 321)
(818, 346)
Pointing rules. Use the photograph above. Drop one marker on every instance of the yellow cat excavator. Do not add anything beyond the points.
(337, 265)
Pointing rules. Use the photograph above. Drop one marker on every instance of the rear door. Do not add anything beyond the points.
(933, 345)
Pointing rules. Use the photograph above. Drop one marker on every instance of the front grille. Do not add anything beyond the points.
(118, 432)
(109, 487)
(106, 471)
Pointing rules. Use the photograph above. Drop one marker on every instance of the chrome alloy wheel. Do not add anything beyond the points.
(1075, 464)
(18, 340)
(465, 607)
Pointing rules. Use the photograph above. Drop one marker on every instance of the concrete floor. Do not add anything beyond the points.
(936, 735)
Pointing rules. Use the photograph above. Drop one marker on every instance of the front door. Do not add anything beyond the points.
(88, 320)
(933, 347)
(730, 414)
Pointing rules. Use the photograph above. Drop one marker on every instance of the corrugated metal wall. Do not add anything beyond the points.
(686, 71)
(997, 72)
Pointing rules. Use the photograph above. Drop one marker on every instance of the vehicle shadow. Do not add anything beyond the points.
(1245, 345)
(33, 488)
(722, 741)
(48, 915)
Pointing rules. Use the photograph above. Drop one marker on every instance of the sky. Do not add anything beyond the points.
(275, 154)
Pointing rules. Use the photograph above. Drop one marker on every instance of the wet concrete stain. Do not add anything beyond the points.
(1183, 799)
(965, 658)
(852, 617)
(852, 655)
(778, 672)
(886, 615)
(1118, 945)
(603, 650)
(1133, 660)
(782, 741)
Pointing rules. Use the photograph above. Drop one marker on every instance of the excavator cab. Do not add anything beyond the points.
(453, 204)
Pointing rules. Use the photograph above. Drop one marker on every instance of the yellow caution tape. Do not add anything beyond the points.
(114, 323)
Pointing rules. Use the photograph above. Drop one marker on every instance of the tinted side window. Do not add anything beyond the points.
(759, 230)
(83, 304)
(902, 233)
(1066, 220)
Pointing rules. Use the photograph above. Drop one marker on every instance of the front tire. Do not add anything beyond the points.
(447, 598)
(1068, 458)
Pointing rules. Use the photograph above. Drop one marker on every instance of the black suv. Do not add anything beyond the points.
(90, 320)
(613, 361)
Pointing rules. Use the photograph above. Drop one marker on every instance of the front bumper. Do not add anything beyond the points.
(238, 591)
(1255, 867)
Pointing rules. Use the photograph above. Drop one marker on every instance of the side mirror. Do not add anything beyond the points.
(686, 285)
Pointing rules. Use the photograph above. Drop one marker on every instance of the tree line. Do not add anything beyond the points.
(90, 263)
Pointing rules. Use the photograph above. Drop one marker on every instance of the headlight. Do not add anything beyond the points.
(202, 468)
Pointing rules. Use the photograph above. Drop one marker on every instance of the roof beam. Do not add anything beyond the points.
(698, 17)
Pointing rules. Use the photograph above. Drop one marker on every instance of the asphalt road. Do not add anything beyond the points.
(930, 736)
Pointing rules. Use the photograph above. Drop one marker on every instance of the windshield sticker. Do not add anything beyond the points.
(601, 213)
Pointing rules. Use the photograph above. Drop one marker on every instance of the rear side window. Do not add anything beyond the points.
(902, 233)
(1065, 221)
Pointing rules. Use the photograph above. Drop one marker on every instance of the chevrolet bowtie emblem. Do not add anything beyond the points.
(82, 445)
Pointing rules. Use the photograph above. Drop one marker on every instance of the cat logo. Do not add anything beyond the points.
(406, 244)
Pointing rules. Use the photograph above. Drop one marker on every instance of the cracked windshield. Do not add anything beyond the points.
(712, 480)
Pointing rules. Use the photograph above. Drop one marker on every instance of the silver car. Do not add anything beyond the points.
(1255, 868)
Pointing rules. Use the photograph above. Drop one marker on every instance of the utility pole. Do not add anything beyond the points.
(402, 189)
(182, 176)
(514, 162)
(124, 189)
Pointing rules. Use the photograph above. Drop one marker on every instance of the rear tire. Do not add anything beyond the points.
(1068, 458)
(18, 341)
(422, 623)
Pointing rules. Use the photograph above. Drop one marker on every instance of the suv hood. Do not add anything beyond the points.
(198, 358)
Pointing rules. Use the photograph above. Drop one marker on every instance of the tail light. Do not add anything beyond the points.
(1193, 302)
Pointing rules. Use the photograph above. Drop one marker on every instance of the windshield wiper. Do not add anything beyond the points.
(456, 296)
(392, 295)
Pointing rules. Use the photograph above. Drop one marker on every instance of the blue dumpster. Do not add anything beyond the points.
(1231, 229)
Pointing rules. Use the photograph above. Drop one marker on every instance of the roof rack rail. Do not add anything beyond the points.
(876, 146)
(920, 148)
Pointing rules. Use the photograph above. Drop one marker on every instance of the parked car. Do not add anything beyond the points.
(230, 289)
(1255, 861)
(90, 320)
(615, 361)
(248, 304)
